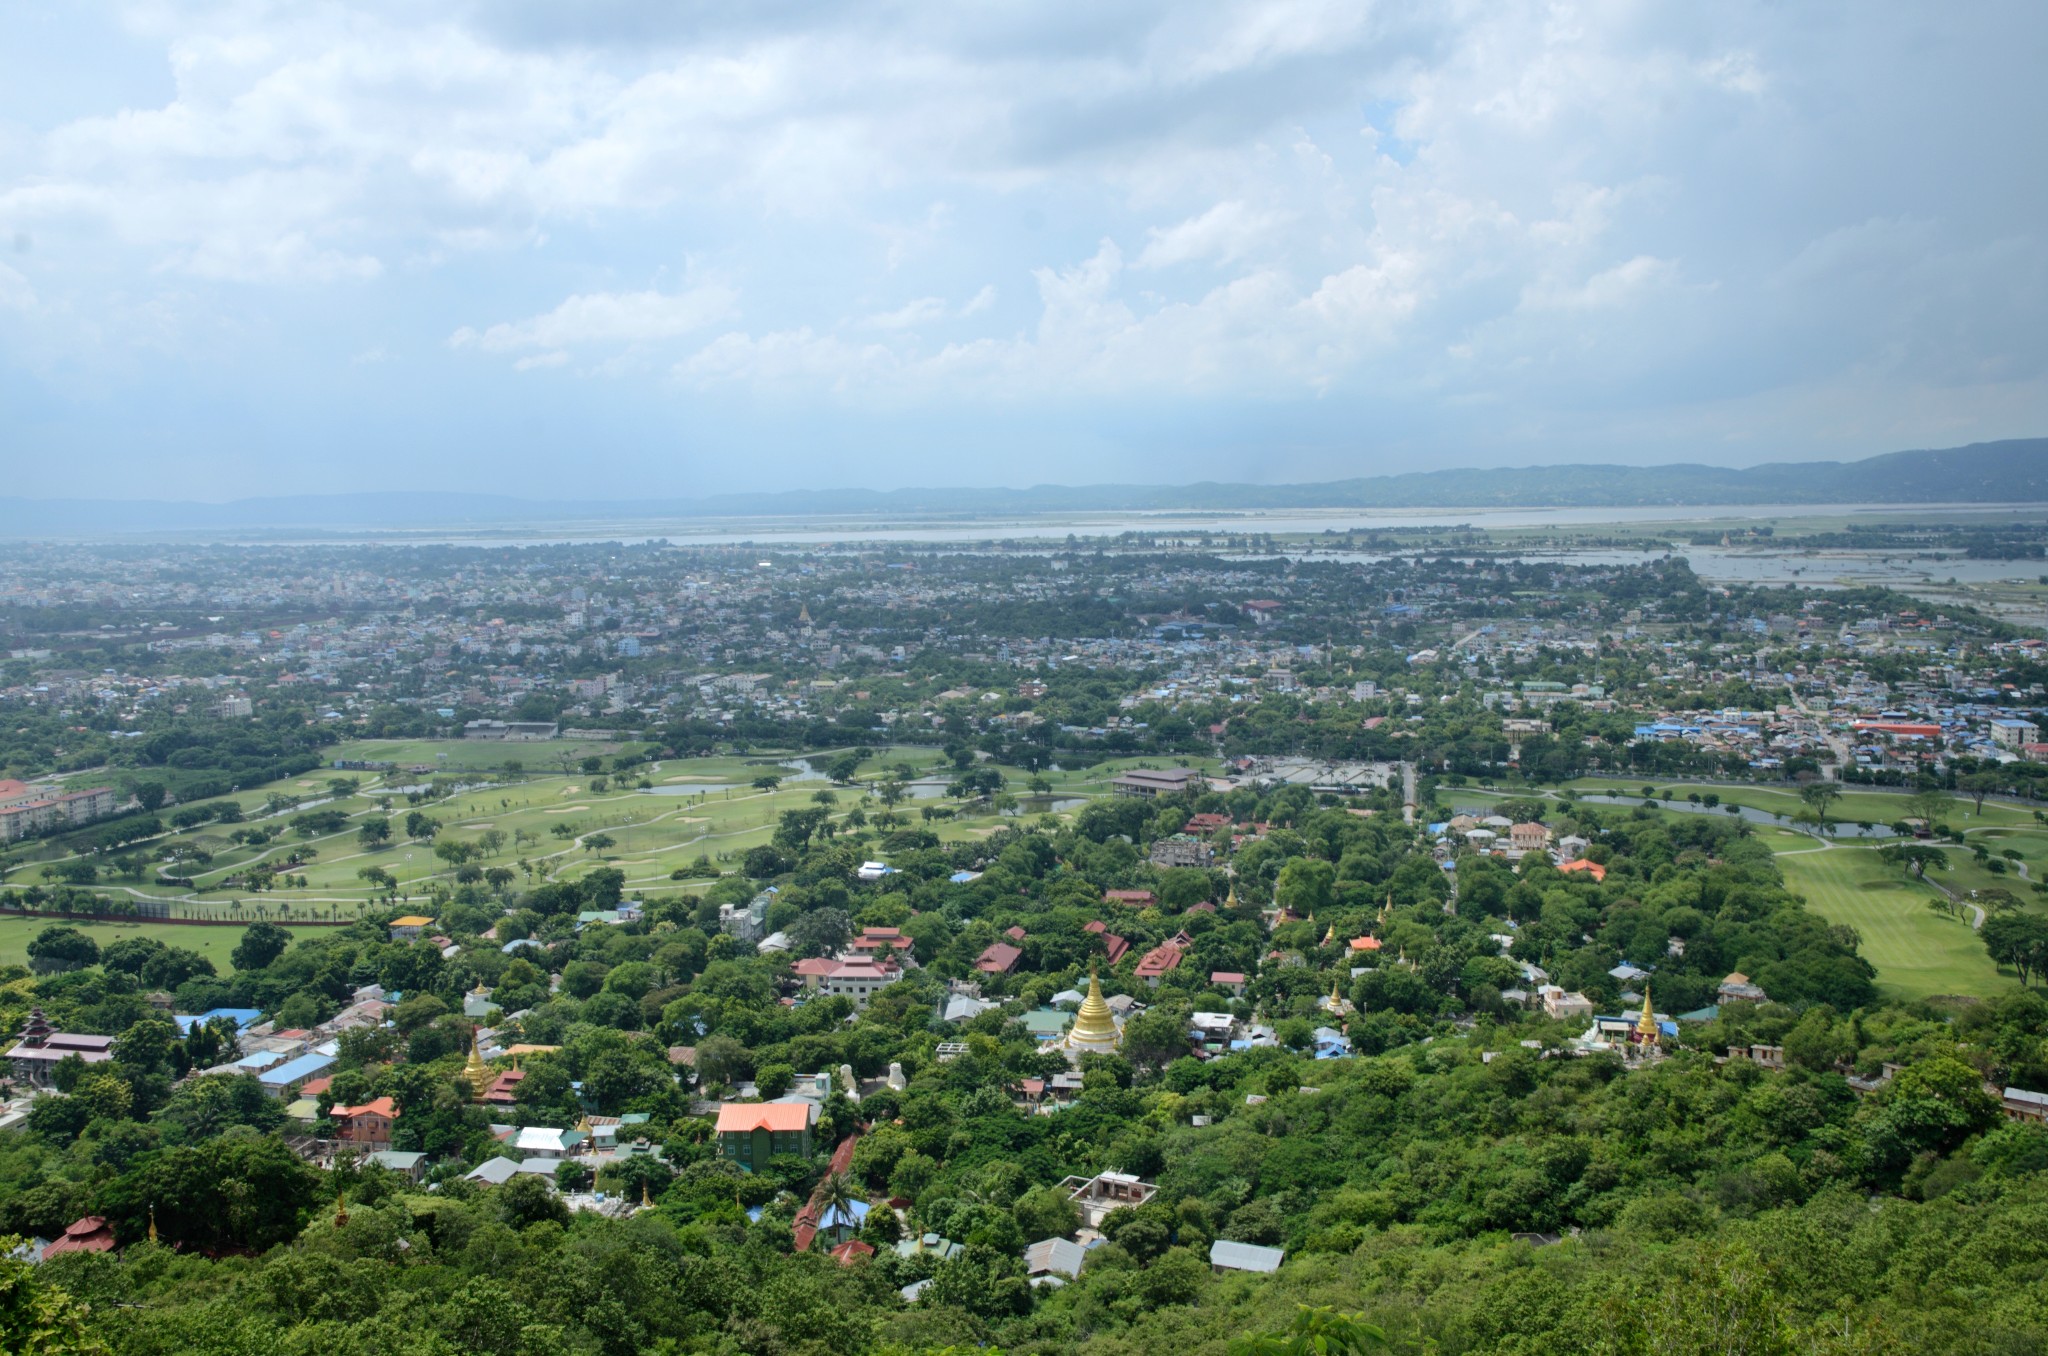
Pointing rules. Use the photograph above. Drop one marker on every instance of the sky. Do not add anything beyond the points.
(608, 248)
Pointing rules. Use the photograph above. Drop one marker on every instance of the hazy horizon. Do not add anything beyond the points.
(631, 250)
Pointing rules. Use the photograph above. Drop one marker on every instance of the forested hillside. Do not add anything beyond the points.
(1466, 1175)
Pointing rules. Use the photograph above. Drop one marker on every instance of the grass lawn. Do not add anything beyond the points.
(460, 754)
(652, 834)
(212, 943)
(1917, 953)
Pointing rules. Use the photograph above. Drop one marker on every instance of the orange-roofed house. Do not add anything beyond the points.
(1365, 945)
(1593, 869)
(368, 1126)
(751, 1133)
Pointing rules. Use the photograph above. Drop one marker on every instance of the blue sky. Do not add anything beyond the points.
(613, 248)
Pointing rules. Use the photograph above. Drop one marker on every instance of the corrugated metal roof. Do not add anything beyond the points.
(1245, 1256)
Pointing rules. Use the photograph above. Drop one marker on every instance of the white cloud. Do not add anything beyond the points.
(1622, 285)
(931, 311)
(1224, 234)
(1560, 208)
(605, 318)
(910, 315)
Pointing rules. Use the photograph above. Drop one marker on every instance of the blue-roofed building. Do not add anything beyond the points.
(243, 1018)
(841, 1225)
(287, 1078)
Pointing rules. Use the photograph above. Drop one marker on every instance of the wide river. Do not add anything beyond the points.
(937, 528)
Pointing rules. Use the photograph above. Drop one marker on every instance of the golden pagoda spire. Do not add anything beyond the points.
(341, 1210)
(1094, 1025)
(479, 991)
(1331, 935)
(644, 1201)
(152, 1221)
(583, 1126)
(1646, 1025)
(1230, 900)
(476, 1073)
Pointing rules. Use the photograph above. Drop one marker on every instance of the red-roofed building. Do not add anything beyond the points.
(1365, 944)
(1162, 960)
(313, 1087)
(1015, 934)
(872, 940)
(1205, 824)
(815, 968)
(1899, 729)
(367, 1126)
(1136, 899)
(504, 1089)
(860, 980)
(91, 1234)
(999, 959)
(1593, 869)
(1229, 979)
(804, 1228)
(851, 1250)
(1113, 946)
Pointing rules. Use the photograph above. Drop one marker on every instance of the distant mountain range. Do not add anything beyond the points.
(2000, 472)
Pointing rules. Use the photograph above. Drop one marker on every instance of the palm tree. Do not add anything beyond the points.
(835, 1194)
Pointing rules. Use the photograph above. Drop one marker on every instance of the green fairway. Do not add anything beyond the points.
(212, 943)
(449, 755)
(537, 822)
(1917, 953)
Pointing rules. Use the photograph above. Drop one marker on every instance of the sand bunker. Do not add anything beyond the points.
(565, 809)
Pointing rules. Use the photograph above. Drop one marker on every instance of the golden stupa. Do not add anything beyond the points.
(1094, 1027)
(476, 1073)
(1646, 1025)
